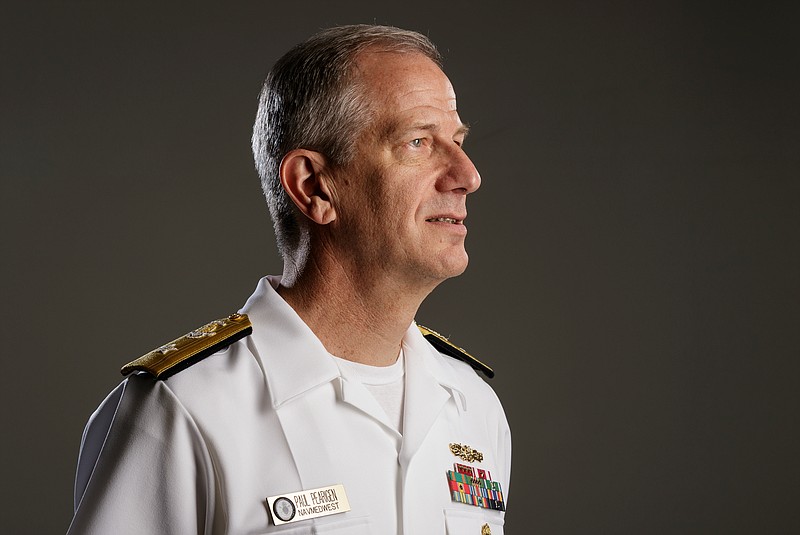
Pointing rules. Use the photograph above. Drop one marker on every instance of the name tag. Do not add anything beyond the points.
(308, 504)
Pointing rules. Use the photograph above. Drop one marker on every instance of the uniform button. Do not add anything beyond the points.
(486, 530)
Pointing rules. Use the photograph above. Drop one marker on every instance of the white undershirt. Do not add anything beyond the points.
(385, 383)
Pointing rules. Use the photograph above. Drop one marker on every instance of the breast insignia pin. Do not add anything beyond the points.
(466, 453)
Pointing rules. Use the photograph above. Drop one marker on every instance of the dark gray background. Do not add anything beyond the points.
(634, 244)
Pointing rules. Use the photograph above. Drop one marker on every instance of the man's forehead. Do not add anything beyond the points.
(405, 80)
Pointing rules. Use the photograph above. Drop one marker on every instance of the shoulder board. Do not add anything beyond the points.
(443, 345)
(191, 347)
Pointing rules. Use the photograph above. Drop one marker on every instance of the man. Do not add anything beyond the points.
(321, 407)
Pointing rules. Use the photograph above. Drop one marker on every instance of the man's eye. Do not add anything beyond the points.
(416, 143)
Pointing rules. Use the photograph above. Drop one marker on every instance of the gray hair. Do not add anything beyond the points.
(310, 100)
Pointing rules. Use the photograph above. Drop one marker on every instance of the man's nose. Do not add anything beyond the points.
(462, 174)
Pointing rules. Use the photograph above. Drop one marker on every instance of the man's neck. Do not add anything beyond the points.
(355, 319)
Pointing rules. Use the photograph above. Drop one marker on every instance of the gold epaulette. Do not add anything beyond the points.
(443, 345)
(192, 347)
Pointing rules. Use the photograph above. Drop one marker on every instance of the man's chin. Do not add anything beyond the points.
(453, 265)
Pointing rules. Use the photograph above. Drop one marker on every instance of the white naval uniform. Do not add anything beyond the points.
(271, 414)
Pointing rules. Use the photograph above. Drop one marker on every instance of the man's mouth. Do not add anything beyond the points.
(445, 220)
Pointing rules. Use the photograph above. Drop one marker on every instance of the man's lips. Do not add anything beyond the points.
(453, 220)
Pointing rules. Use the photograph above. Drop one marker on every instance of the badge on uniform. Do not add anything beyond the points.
(307, 504)
(473, 486)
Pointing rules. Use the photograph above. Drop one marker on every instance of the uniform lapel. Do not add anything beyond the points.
(304, 383)
(427, 392)
(297, 369)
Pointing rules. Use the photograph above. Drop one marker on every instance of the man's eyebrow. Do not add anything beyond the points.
(396, 129)
(430, 127)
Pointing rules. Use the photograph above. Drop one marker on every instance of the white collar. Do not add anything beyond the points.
(294, 360)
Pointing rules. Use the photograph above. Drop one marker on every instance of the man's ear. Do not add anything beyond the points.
(305, 177)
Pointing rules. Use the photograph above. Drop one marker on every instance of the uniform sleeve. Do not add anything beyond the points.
(505, 447)
(143, 467)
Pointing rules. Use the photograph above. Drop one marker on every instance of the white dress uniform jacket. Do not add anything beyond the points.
(271, 414)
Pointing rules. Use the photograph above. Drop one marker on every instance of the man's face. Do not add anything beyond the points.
(402, 200)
